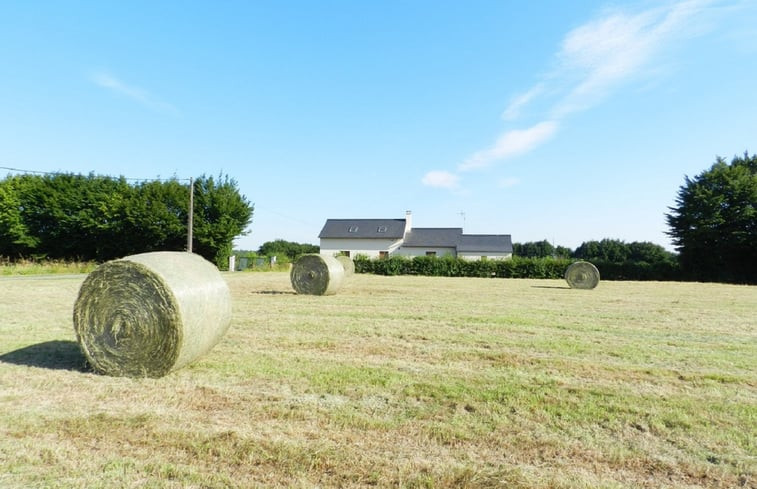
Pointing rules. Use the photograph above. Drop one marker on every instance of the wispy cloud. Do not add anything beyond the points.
(592, 61)
(600, 55)
(512, 111)
(441, 179)
(135, 93)
(511, 143)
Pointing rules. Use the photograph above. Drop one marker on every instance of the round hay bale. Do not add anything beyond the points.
(582, 275)
(148, 314)
(347, 264)
(316, 275)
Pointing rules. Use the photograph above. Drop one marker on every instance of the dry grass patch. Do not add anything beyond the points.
(28, 267)
(398, 382)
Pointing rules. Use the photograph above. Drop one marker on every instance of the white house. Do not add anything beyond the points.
(376, 238)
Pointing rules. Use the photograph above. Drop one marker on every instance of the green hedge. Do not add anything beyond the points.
(516, 267)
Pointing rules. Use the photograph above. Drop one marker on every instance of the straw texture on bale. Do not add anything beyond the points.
(148, 314)
(347, 264)
(314, 274)
(582, 275)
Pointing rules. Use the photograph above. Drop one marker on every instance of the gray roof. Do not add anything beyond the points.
(433, 237)
(363, 228)
(416, 237)
(500, 243)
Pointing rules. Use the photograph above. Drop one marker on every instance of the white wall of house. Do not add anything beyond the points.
(475, 256)
(420, 251)
(371, 248)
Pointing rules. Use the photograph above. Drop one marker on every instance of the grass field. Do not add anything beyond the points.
(26, 267)
(398, 382)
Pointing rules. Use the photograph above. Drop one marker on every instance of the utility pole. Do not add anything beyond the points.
(190, 214)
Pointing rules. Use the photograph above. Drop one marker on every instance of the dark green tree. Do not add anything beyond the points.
(534, 249)
(563, 252)
(714, 222)
(289, 249)
(15, 239)
(100, 218)
(221, 214)
(71, 216)
(649, 253)
(156, 217)
(612, 250)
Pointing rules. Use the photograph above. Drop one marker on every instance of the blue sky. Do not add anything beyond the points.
(565, 121)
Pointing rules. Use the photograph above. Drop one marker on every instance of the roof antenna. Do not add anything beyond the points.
(462, 214)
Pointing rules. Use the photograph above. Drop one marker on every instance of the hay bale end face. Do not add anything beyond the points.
(148, 314)
(582, 275)
(314, 274)
(347, 264)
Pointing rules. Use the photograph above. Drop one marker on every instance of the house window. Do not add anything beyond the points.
(383, 254)
(381, 229)
(353, 229)
(431, 253)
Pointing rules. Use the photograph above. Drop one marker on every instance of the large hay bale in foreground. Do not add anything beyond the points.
(148, 314)
(316, 275)
(582, 275)
(347, 264)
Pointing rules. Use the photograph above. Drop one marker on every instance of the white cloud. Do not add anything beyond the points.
(441, 179)
(511, 143)
(592, 61)
(513, 109)
(110, 82)
(603, 53)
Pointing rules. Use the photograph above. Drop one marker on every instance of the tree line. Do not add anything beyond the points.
(98, 218)
(713, 225)
(605, 250)
(616, 259)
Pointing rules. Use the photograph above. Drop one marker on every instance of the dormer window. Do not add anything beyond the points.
(381, 229)
(353, 229)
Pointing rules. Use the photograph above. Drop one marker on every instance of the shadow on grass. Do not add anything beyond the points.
(549, 287)
(54, 355)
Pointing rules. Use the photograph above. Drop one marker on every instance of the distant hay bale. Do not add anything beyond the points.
(316, 275)
(148, 314)
(582, 275)
(347, 264)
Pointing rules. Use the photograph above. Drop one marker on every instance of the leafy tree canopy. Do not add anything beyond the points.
(99, 218)
(714, 222)
(617, 251)
(534, 249)
(287, 248)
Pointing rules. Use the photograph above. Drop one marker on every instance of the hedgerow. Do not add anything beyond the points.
(515, 267)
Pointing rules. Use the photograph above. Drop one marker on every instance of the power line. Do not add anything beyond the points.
(27, 171)
(39, 172)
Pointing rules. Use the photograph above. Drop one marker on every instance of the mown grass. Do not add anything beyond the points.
(398, 382)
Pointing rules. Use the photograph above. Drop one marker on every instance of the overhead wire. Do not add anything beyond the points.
(40, 172)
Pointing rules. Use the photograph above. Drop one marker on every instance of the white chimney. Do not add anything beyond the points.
(408, 221)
